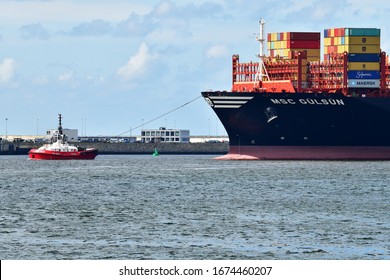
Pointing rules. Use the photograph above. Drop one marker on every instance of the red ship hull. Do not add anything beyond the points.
(88, 154)
(307, 153)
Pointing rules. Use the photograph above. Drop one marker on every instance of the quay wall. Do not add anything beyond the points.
(130, 148)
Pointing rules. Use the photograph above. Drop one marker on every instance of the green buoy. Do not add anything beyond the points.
(155, 153)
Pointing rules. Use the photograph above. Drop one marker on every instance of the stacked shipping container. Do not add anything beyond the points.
(352, 60)
(363, 48)
(284, 44)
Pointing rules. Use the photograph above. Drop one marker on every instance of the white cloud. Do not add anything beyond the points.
(217, 51)
(96, 79)
(66, 76)
(35, 30)
(137, 64)
(96, 27)
(7, 69)
(164, 8)
(40, 80)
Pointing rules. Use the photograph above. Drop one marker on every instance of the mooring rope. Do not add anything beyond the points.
(160, 116)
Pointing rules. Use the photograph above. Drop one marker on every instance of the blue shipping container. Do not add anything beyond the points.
(366, 75)
(364, 57)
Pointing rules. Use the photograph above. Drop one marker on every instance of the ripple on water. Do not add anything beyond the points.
(192, 207)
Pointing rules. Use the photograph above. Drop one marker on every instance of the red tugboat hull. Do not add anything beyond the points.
(87, 154)
(59, 149)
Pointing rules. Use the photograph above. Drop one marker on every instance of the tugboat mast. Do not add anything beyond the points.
(60, 135)
(59, 124)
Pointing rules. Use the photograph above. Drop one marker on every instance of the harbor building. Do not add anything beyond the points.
(165, 135)
(71, 134)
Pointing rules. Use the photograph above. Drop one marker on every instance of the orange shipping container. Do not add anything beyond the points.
(331, 49)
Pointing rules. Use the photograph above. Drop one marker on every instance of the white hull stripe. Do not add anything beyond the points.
(230, 97)
(227, 106)
(228, 102)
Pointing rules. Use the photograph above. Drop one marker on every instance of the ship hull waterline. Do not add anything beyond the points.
(306, 153)
(280, 126)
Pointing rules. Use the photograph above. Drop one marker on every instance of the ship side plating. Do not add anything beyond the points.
(298, 107)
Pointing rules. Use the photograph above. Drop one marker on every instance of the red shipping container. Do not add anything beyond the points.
(332, 41)
(332, 49)
(303, 44)
(269, 37)
(303, 36)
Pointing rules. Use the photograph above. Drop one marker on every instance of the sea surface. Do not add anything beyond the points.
(193, 207)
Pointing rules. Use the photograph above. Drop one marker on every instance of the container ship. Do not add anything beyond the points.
(295, 104)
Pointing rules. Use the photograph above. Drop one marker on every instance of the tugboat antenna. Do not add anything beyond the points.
(59, 124)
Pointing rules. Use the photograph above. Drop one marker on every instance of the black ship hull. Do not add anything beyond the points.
(303, 126)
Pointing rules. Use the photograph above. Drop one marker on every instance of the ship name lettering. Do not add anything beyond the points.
(308, 101)
(283, 101)
(330, 101)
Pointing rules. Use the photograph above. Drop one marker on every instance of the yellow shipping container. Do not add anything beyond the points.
(283, 44)
(352, 40)
(341, 48)
(274, 36)
(375, 66)
(362, 48)
(326, 41)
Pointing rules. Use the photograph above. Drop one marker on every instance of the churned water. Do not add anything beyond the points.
(193, 207)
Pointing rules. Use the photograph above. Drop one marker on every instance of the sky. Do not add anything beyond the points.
(112, 67)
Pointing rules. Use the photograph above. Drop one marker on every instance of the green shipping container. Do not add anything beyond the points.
(362, 32)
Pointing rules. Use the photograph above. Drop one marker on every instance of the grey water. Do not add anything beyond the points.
(193, 207)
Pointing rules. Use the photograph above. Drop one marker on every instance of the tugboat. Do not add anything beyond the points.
(59, 149)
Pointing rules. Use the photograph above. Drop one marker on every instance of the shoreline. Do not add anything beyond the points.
(128, 148)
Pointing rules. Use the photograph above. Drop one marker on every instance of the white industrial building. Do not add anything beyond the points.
(165, 135)
(71, 134)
